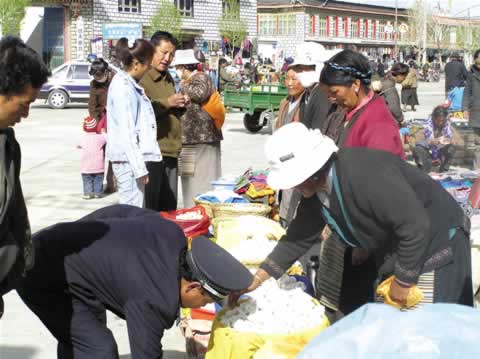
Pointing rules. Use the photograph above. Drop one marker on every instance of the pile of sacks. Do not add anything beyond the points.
(277, 307)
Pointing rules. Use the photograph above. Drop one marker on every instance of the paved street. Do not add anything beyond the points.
(52, 186)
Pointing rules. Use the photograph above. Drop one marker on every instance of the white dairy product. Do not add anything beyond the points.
(253, 250)
(276, 307)
(188, 216)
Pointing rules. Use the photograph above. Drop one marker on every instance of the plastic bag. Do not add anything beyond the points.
(378, 331)
(227, 343)
(414, 297)
(191, 227)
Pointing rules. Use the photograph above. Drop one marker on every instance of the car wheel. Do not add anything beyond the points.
(57, 99)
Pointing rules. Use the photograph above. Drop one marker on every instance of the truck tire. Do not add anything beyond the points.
(251, 122)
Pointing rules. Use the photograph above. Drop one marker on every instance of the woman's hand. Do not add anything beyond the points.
(359, 256)
(143, 180)
(399, 291)
(259, 277)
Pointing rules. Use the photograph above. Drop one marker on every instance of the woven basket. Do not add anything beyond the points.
(207, 205)
(221, 210)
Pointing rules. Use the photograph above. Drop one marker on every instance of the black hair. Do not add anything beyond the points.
(400, 69)
(142, 51)
(185, 271)
(476, 55)
(439, 111)
(222, 61)
(160, 36)
(346, 67)
(20, 66)
(99, 65)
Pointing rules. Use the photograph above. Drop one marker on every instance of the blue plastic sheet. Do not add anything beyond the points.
(375, 331)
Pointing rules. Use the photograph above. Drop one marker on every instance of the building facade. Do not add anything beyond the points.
(282, 24)
(73, 29)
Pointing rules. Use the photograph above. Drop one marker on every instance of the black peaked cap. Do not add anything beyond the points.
(217, 269)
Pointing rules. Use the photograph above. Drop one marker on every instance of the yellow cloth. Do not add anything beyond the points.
(226, 343)
(215, 108)
(252, 192)
(414, 297)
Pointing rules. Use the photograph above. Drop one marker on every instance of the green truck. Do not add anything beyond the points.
(258, 102)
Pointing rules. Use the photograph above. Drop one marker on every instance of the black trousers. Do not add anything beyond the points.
(423, 157)
(162, 188)
(80, 329)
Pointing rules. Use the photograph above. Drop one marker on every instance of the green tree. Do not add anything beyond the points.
(12, 13)
(230, 25)
(167, 18)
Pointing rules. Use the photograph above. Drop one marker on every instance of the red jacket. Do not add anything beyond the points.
(376, 128)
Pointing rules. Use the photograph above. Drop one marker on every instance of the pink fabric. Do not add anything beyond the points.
(376, 128)
(359, 106)
(92, 160)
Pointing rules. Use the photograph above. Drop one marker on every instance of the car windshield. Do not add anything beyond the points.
(59, 72)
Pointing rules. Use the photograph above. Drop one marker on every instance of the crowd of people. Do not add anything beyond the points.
(336, 155)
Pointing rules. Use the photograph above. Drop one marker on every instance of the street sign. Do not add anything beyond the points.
(388, 29)
(115, 31)
(403, 28)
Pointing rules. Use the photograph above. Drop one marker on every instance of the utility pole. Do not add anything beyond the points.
(395, 52)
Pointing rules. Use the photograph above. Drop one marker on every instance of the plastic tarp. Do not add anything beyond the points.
(374, 331)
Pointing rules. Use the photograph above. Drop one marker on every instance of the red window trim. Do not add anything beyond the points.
(313, 25)
(328, 26)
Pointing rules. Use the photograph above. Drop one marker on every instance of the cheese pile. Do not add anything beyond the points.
(276, 307)
(253, 250)
(188, 216)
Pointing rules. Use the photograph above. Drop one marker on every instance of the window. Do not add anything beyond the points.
(322, 27)
(369, 29)
(227, 4)
(287, 24)
(267, 24)
(81, 73)
(354, 28)
(453, 35)
(185, 7)
(129, 6)
(60, 72)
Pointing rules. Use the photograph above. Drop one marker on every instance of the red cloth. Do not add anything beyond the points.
(376, 128)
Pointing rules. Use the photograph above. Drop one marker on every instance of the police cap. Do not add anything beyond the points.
(218, 271)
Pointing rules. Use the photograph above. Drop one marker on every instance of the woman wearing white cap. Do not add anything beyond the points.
(200, 158)
(372, 200)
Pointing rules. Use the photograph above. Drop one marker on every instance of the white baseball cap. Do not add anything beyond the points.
(184, 57)
(296, 153)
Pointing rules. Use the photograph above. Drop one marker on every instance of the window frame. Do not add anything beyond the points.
(185, 11)
(130, 8)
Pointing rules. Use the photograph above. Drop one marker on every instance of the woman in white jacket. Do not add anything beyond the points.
(132, 129)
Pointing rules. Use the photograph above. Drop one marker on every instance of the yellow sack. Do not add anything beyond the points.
(227, 343)
(414, 297)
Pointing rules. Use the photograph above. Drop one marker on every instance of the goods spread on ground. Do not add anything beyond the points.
(187, 216)
(277, 307)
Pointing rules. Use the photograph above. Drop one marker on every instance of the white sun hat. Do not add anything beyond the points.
(308, 53)
(295, 153)
(184, 57)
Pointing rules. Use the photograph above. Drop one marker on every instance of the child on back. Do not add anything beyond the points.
(92, 145)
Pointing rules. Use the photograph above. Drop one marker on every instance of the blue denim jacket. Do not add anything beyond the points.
(131, 125)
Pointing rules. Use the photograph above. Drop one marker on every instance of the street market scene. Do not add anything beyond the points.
(239, 179)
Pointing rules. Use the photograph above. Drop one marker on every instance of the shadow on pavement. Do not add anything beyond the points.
(262, 132)
(167, 354)
(69, 106)
(11, 352)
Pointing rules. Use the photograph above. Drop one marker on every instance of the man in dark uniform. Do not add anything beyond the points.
(135, 264)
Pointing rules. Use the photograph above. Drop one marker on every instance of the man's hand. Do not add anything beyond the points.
(177, 100)
(466, 115)
(258, 279)
(399, 292)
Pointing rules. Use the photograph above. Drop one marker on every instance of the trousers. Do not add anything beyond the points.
(130, 190)
(162, 188)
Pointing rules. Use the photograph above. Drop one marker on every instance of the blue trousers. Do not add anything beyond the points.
(92, 183)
